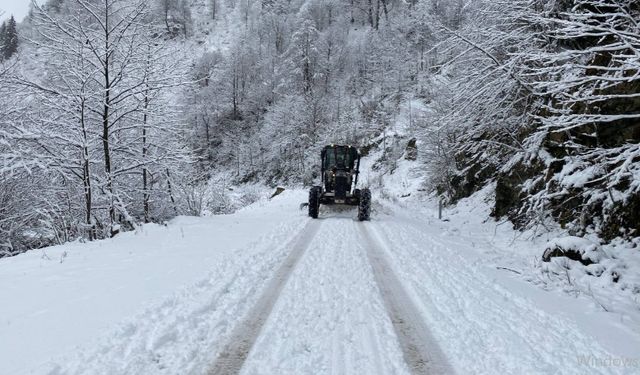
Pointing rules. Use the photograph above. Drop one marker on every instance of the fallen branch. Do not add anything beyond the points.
(508, 269)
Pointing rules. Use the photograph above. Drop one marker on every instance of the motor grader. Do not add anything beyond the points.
(340, 166)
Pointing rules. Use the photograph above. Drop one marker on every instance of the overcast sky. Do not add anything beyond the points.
(18, 8)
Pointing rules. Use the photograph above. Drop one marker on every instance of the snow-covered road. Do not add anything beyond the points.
(330, 317)
(482, 327)
(270, 291)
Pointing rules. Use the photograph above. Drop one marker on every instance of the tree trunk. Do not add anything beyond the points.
(145, 186)
(352, 20)
(105, 122)
(166, 15)
(207, 132)
(86, 175)
(328, 72)
(235, 94)
(385, 10)
(306, 66)
(173, 200)
(307, 76)
(238, 161)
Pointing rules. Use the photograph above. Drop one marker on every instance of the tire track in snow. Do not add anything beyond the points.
(419, 348)
(235, 352)
(469, 309)
(330, 318)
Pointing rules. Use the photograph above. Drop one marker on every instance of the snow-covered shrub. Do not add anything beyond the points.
(575, 248)
(195, 199)
(249, 195)
(605, 273)
(217, 198)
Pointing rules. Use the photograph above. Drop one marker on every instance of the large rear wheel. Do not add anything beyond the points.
(364, 205)
(314, 201)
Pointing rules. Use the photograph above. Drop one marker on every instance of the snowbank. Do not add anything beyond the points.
(60, 298)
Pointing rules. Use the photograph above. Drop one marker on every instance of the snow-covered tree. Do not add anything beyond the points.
(103, 117)
(8, 39)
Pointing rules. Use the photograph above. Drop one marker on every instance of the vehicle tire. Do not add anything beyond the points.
(364, 205)
(314, 201)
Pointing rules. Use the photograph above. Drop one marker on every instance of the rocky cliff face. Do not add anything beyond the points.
(576, 159)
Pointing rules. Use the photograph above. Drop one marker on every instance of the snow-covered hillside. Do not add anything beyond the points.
(331, 296)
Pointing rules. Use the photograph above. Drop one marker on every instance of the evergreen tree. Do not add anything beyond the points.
(9, 39)
(3, 32)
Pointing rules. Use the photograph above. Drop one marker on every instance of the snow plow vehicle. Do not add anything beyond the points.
(340, 166)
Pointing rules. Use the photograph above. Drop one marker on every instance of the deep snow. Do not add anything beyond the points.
(164, 300)
(55, 300)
